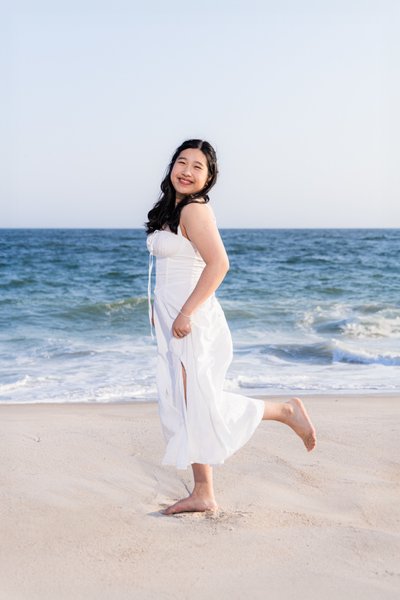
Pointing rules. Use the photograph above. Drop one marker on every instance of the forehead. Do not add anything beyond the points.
(193, 155)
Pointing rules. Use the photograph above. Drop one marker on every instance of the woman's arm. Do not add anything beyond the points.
(198, 222)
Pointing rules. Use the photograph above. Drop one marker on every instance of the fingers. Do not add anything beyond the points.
(180, 333)
(181, 327)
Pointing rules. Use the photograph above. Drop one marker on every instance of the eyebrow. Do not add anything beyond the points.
(195, 161)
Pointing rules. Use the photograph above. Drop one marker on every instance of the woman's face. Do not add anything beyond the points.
(189, 174)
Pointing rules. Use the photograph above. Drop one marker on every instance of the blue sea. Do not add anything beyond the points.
(311, 311)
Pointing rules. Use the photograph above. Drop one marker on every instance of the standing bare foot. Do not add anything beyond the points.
(193, 503)
(298, 419)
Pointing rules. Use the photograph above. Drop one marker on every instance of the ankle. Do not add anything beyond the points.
(203, 490)
(286, 411)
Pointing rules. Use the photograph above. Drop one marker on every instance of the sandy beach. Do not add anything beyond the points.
(82, 486)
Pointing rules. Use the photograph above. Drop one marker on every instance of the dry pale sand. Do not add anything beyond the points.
(81, 487)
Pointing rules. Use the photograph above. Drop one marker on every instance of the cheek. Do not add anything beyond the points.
(174, 175)
(203, 179)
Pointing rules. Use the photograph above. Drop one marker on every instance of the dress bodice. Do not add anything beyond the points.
(163, 243)
(178, 267)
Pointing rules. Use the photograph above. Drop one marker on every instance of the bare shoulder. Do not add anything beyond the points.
(199, 226)
(197, 211)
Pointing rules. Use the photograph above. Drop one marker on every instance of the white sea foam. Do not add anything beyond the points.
(321, 314)
(352, 322)
(24, 382)
(343, 353)
(340, 377)
(306, 384)
(112, 393)
(373, 327)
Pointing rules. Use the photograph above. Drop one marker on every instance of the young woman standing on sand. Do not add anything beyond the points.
(203, 424)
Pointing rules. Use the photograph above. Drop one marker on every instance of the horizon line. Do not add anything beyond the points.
(220, 228)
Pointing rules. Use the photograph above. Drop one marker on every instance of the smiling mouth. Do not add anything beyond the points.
(184, 181)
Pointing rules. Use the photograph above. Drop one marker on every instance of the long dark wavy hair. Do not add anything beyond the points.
(164, 212)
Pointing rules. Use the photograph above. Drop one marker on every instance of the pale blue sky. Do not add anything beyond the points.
(299, 98)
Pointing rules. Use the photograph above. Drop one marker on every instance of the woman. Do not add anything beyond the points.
(202, 424)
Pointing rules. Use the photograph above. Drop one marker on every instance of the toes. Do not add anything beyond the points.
(189, 506)
(309, 438)
(169, 511)
(178, 507)
(311, 442)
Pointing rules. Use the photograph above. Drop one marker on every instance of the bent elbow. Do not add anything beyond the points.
(220, 266)
(227, 265)
(224, 266)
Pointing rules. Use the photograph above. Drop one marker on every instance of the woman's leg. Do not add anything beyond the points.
(294, 414)
(202, 498)
(291, 413)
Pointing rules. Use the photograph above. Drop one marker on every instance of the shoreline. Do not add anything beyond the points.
(82, 486)
(272, 397)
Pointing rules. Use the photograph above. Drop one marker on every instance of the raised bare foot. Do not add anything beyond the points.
(191, 504)
(298, 419)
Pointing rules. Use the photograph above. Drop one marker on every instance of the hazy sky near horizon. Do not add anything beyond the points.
(300, 100)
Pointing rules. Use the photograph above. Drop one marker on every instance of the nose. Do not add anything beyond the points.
(186, 170)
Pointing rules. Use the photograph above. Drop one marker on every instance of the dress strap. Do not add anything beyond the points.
(149, 293)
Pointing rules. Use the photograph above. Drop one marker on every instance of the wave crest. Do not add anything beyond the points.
(106, 309)
(361, 322)
(325, 353)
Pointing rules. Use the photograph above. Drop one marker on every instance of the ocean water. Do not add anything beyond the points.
(309, 310)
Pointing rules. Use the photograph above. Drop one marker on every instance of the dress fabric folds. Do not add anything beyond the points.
(212, 424)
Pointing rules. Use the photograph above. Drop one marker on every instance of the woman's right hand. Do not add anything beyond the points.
(181, 327)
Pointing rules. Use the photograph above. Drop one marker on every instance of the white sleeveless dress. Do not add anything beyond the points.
(213, 423)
